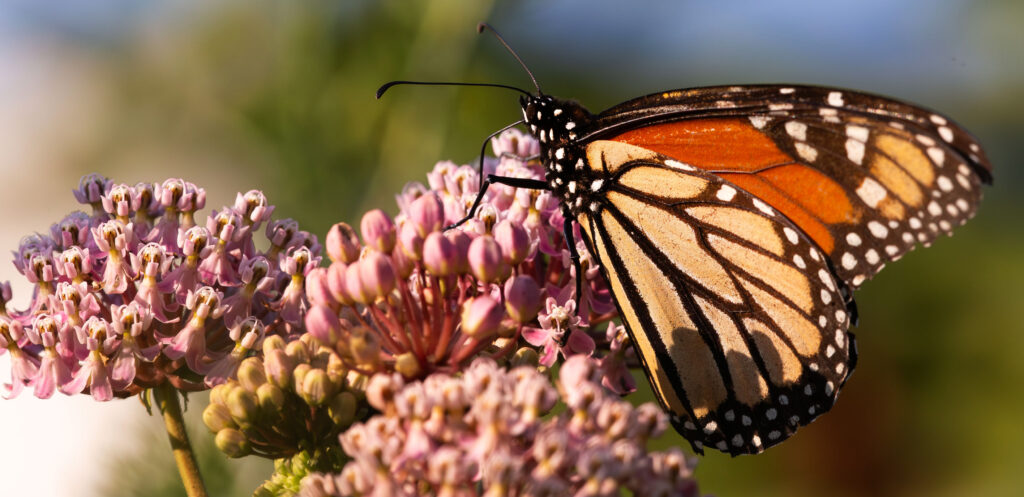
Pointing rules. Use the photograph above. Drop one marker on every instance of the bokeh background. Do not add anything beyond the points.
(235, 95)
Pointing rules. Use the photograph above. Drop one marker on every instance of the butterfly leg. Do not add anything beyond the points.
(570, 241)
(492, 179)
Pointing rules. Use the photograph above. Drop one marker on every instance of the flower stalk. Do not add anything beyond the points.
(184, 456)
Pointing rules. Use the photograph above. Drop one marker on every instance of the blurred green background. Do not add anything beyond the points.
(279, 95)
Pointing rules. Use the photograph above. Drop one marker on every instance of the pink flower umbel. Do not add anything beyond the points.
(492, 438)
(119, 305)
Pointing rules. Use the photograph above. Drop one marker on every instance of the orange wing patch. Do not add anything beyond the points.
(760, 167)
(732, 144)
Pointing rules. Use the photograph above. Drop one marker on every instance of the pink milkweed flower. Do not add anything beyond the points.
(53, 371)
(614, 369)
(72, 231)
(246, 334)
(115, 239)
(254, 208)
(184, 278)
(93, 372)
(130, 321)
(75, 264)
(152, 262)
(556, 322)
(218, 267)
(293, 304)
(190, 341)
(117, 202)
(90, 191)
(24, 367)
(145, 204)
(256, 279)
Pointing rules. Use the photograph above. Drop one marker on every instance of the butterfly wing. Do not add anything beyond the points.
(866, 177)
(735, 313)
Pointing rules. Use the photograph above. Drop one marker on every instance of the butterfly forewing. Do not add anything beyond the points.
(867, 178)
(739, 321)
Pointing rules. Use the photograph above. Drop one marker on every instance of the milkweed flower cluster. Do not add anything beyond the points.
(136, 292)
(486, 433)
(296, 397)
(415, 298)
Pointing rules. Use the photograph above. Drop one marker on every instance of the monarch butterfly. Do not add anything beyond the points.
(732, 224)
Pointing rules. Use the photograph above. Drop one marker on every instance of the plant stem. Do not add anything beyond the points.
(167, 400)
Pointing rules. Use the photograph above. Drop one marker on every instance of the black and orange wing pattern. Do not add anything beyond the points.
(744, 328)
(732, 222)
(867, 177)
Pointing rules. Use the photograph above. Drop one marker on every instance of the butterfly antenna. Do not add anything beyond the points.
(484, 26)
(386, 86)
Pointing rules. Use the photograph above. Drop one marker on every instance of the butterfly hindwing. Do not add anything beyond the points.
(867, 178)
(739, 321)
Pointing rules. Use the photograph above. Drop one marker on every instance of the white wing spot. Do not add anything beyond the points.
(871, 256)
(891, 249)
(964, 182)
(840, 368)
(974, 147)
(962, 204)
(814, 255)
(944, 225)
(710, 427)
(849, 261)
(878, 229)
(674, 164)
(829, 388)
(937, 119)
(780, 106)
(807, 152)
(763, 207)
(857, 132)
(783, 400)
(871, 192)
(937, 155)
(835, 98)
(791, 235)
(774, 434)
(726, 193)
(594, 207)
(580, 165)
(799, 261)
(822, 321)
(946, 134)
(572, 187)
(826, 279)
(944, 184)
(737, 440)
(925, 139)
(826, 297)
(915, 223)
(786, 91)
(759, 121)
(857, 280)
(855, 151)
(725, 104)
(853, 239)
(797, 130)
(560, 154)
(570, 125)
(557, 112)
(934, 209)
(840, 316)
(830, 351)
(840, 337)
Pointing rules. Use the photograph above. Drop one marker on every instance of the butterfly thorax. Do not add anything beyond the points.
(557, 126)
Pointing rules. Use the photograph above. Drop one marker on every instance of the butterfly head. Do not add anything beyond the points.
(557, 125)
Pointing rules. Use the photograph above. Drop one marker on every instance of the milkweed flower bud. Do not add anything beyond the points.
(485, 258)
(378, 231)
(481, 317)
(513, 240)
(427, 214)
(522, 298)
(342, 243)
(439, 256)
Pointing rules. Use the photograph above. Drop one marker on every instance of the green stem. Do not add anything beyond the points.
(167, 399)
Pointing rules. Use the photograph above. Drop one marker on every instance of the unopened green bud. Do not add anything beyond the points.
(317, 387)
(407, 365)
(278, 367)
(364, 347)
(250, 374)
(298, 352)
(219, 393)
(299, 375)
(343, 409)
(273, 342)
(271, 398)
(336, 369)
(232, 442)
(217, 417)
(526, 356)
(243, 405)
